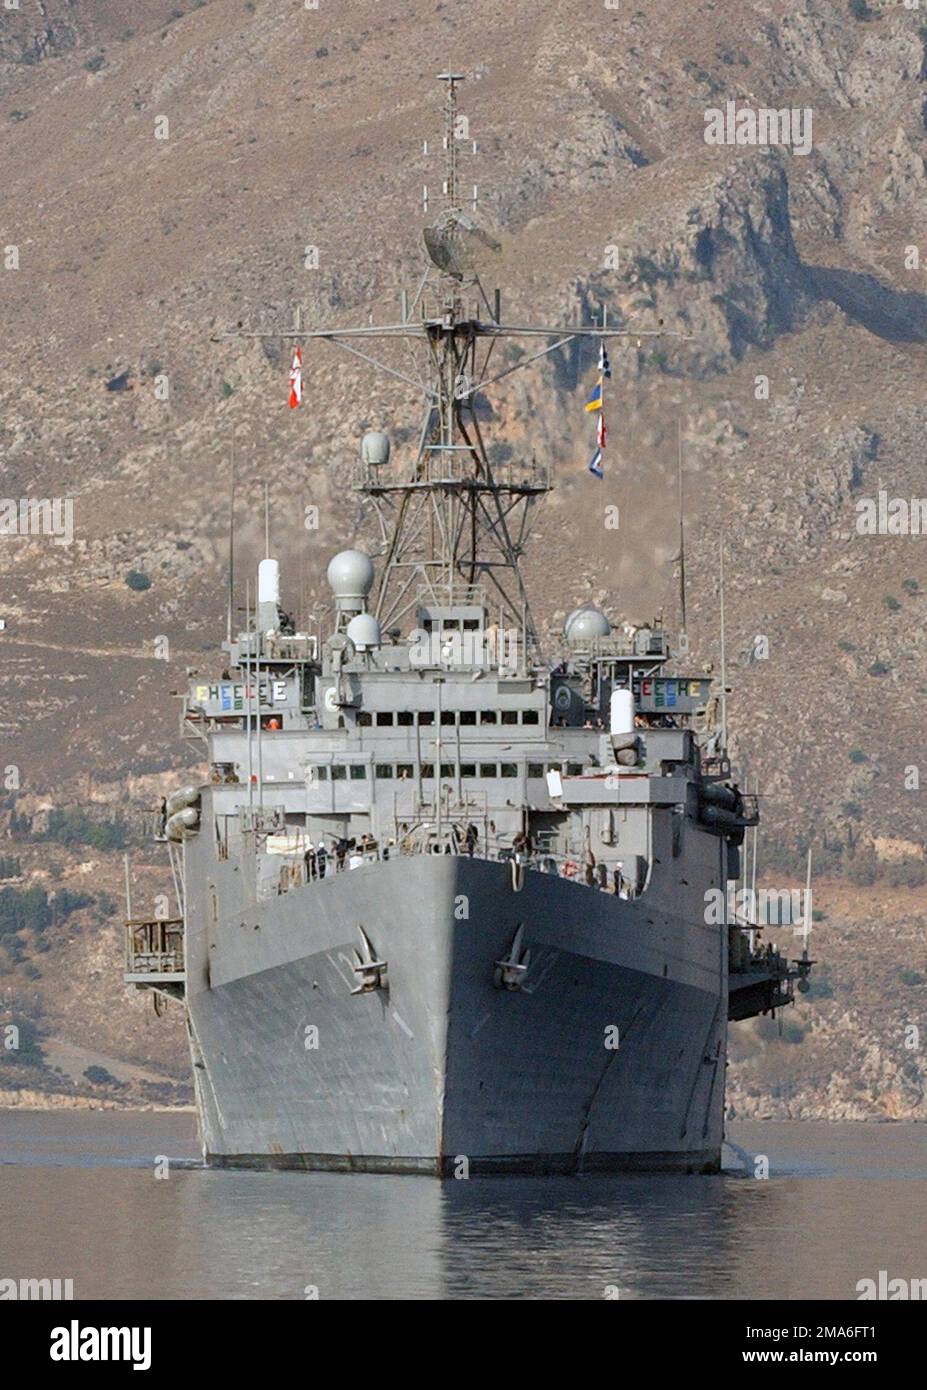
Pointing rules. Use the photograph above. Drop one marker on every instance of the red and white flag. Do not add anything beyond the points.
(296, 379)
(601, 432)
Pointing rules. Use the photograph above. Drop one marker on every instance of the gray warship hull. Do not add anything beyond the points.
(527, 961)
(609, 1056)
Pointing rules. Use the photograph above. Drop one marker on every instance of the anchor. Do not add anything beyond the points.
(510, 972)
(371, 972)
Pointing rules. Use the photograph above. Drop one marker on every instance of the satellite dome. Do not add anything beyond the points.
(350, 575)
(375, 448)
(586, 624)
(364, 631)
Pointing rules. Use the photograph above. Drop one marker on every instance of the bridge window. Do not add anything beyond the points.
(383, 718)
(339, 774)
(468, 716)
(529, 716)
(488, 716)
(405, 717)
(321, 773)
(447, 716)
(488, 770)
(364, 719)
(426, 716)
(358, 773)
(448, 770)
(468, 769)
(574, 769)
(508, 770)
(404, 770)
(384, 770)
(510, 716)
(428, 770)
(535, 769)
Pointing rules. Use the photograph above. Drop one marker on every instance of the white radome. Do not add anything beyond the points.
(350, 574)
(364, 632)
(586, 624)
(375, 448)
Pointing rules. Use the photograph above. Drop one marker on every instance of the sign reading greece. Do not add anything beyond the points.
(232, 697)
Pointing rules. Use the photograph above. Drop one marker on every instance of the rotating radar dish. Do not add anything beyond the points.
(454, 242)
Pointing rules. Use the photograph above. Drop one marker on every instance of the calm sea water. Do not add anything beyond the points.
(79, 1200)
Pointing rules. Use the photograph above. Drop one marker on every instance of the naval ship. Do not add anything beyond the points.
(442, 897)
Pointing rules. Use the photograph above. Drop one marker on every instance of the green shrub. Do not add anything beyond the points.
(99, 1076)
(857, 755)
(906, 873)
(911, 977)
(25, 909)
(863, 869)
(73, 826)
(138, 580)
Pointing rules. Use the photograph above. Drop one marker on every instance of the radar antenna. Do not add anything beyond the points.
(454, 525)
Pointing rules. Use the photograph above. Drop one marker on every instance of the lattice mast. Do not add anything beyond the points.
(454, 527)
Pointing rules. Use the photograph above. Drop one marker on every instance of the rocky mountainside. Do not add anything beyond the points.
(168, 169)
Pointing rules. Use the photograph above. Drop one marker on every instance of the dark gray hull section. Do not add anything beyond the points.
(442, 1072)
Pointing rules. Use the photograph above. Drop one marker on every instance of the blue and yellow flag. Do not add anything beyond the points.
(595, 400)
